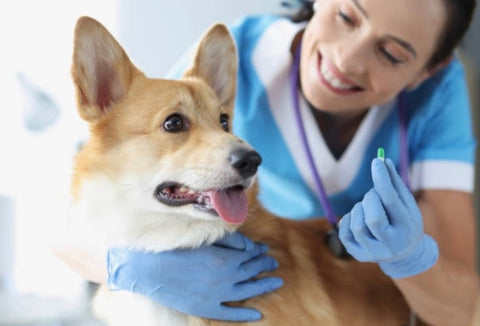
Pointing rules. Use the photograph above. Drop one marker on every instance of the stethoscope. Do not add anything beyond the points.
(332, 239)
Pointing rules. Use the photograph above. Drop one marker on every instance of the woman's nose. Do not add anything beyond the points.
(351, 56)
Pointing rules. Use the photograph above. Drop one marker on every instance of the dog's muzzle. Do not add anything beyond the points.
(229, 203)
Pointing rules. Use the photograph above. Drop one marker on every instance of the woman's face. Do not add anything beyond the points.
(360, 53)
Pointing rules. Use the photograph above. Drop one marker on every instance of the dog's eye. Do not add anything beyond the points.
(224, 122)
(175, 123)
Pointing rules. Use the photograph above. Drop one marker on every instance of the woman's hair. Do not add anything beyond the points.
(303, 13)
(459, 17)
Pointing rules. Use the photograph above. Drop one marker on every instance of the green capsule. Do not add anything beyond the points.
(381, 153)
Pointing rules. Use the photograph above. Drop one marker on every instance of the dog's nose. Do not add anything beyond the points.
(245, 161)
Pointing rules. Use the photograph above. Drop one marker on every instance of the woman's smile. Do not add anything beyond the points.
(333, 79)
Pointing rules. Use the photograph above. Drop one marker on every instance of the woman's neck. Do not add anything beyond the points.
(338, 130)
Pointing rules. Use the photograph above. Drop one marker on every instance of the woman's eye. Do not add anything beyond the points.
(391, 58)
(224, 122)
(347, 19)
(175, 123)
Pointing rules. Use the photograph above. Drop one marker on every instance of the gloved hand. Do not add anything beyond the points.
(387, 227)
(197, 281)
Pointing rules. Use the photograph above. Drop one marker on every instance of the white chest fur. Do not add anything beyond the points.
(105, 217)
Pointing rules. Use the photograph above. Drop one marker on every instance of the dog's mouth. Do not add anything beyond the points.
(230, 203)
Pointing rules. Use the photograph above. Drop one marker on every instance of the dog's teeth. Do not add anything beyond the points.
(183, 189)
(191, 192)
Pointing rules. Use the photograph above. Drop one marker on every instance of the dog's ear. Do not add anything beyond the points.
(101, 70)
(215, 61)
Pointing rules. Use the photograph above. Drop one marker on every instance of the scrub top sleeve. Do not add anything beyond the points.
(440, 133)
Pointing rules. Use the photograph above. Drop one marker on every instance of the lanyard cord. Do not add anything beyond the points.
(320, 189)
(404, 157)
(322, 196)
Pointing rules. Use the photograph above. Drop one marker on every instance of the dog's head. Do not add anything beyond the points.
(160, 154)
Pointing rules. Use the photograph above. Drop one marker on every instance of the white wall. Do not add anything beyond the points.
(155, 33)
(35, 167)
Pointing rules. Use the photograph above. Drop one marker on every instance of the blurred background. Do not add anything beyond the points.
(40, 129)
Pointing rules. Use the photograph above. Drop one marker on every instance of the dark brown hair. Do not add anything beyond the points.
(459, 17)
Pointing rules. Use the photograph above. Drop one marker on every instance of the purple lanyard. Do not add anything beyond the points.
(404, 159)
(320, 189)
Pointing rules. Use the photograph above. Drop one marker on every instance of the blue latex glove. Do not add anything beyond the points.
(386, 227)
(197, 281)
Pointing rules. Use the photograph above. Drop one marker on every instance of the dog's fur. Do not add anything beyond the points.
(129, 154)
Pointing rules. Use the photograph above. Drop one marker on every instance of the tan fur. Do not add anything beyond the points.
(128, 153)
(319, 288)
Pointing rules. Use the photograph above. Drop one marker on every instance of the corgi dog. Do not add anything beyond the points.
(161, 171)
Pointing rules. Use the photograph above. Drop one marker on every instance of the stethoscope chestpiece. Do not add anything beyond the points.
(332, 240)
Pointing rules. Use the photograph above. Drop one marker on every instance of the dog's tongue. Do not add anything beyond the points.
(230, 204)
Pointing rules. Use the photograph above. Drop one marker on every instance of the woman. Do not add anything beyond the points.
(371, 73)
(356, 58)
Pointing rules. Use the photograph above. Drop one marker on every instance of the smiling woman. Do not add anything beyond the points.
(368, 67)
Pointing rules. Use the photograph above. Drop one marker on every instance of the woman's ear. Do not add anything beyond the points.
(427, 73)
